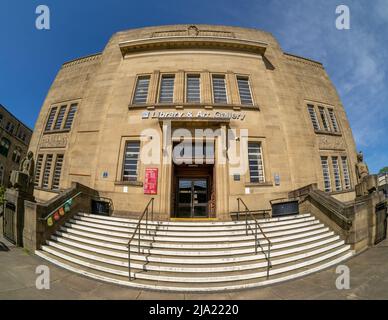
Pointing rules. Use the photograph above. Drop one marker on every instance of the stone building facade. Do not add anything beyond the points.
(275, 119)
(15, 137)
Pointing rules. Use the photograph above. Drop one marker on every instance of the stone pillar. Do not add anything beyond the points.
(166, 173)
(206, 93)
(232, 88)
(153, 88)
(179, 87)
(222, 176)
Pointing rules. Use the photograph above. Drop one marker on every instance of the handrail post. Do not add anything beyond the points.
(152, 209)
(129, 262)
(246, 221)
(238, 209)
(256, 237)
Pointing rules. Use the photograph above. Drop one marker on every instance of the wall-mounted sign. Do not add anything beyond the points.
(151, 181)
(277, 179)
(197, 115)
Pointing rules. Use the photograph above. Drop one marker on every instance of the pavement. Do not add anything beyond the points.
(368, 280)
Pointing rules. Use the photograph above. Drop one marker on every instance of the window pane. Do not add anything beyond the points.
(324, 119)
(167, 89)
(345, 171)
(61, 115)
(219, 89)
(333, 120)
(38, 169)
(244, 90)
(46, 172)
(141, 91)
(131, 156)
(70, 116)
(193, 88)
(57, 172)
(336, 172)
(255, 159)
(50, 119)
(313, 117)
(326, 174)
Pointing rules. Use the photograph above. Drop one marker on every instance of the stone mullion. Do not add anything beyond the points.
(232, 88)
(206, 93)
(179, 87)
(153, 87)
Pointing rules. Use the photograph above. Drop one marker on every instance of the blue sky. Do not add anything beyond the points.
(356, 59)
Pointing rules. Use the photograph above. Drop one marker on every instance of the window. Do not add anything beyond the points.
(50, 119)
(219, 89)
(5, 144)
(325, 123)
(1, 119)
(333, 120)
(131, 159)
(57, 172)
(193, 88)
(70, 117)
(61, 115)
(256, 166)
(244, 90)
(16, 155)
(1, 174)
(141, 91)
(336, 172)
(38, 169)
(345, 171)
(46, 171)
(10, 127)
(313, 117)
(167, 89)
(326, 173)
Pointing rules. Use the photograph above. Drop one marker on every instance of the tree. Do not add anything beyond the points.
(383, 170)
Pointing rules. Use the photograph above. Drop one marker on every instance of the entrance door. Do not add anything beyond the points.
(192, 198)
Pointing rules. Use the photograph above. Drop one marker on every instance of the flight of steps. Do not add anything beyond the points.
(194, 256)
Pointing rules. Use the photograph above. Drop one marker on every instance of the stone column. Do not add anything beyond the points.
(222, 176)
(206, 94)
(179, 87)
(166, 173)
(153, 88)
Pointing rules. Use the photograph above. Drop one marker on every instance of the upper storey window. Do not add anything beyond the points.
(56, 119)
(325, 123)
(244, 91)
(167, 88)
(333, 120)
(313, 117)
(141, 91)
(219, 89)
(70, 116)
(193, 84)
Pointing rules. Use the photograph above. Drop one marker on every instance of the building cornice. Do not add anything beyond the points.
(192, 42)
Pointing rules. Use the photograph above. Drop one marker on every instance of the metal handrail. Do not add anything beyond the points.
(145, 213)
(257, 226)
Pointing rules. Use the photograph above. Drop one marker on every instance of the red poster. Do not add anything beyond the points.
(151, 181)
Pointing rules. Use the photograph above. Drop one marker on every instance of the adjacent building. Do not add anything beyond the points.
(259, 122)
(15, 137)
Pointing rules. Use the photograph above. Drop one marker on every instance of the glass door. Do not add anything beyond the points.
(192, 198)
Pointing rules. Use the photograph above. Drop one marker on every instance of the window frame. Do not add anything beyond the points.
(219, 75)
(136, 86)
(197, 75)
(260, 143)
(126, 142)
(166, 75)
(309, 107)
(248, 79)
(326, 158)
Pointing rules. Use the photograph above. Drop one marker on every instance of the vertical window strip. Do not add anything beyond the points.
(50, 119)
(61, 115)
(57, 172)
(131, 159)
(167, 89)
(345, 171)
(46, 171)
(141, 90)
(193, 90)
(70, 116)
(324, 119)
(336, 172)
(219, 89)
(333, 119)
(244, 91)
(313, 117)
(255, 160)
(326, 174)
(38, 169)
